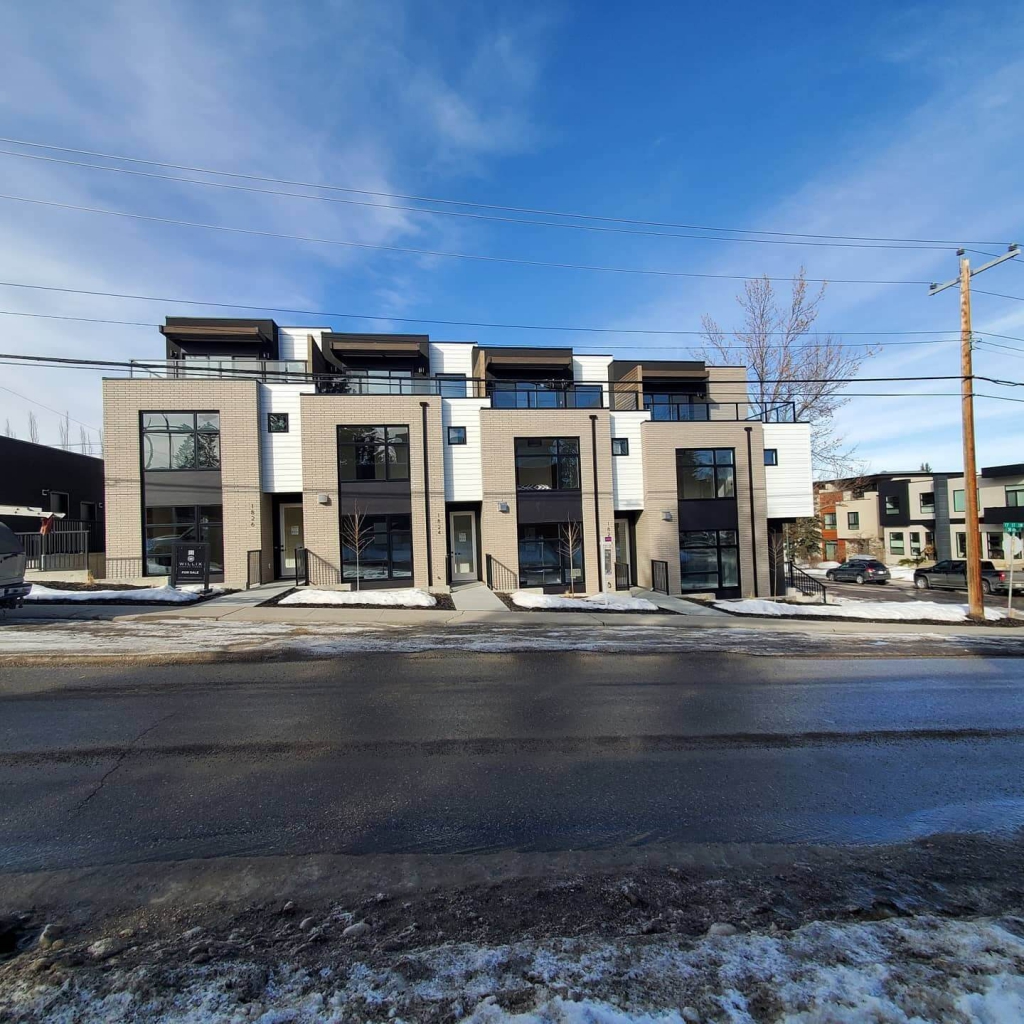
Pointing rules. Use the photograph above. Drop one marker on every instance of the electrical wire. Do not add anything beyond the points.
(46, 407)
(909, 242)
(998, 295)
(408, 250)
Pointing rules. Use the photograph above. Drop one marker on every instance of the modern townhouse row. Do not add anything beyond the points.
(911, 515)
(393, 460)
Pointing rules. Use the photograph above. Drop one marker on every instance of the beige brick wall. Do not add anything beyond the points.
(658, 539)
(498, 430)
(321, 416)
(236, 401)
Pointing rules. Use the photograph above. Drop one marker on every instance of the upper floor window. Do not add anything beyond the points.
(892, 505)
(706, 473)
(830, 520)
(277, 423)
(668, 405)
(620, 446)
(927, 502)
(451, 385)
(853, 520)
(771, 456)
(180, 440)
(557, 394)
(373, 453)
(548, 463)
(958, 501)
(1015, 497)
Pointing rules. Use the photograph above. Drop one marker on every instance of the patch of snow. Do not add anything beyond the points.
(888, 972)
(844, 608)
(169, 595)
(598, 602)
(409, 598)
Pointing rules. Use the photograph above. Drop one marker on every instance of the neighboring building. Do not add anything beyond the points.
(399, 461)
(38, 480)
(918, 514)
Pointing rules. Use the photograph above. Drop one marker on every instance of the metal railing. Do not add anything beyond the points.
(280, 370)
(94, 527)
(500, 578)
(58, 551)
(659, 576)
(253, 568)
(797, 579)
(622, 576)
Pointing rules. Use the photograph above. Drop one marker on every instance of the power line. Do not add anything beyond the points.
(385, 317)
(998, 295)
(910, 242)
(739, 348)
(18, 394)
(408, 250)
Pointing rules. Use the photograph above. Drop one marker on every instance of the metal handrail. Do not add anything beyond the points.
(659, 576)
(500, 578)
(806, 584)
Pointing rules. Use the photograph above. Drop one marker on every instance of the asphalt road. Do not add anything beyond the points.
(460, 752)
(899, 591)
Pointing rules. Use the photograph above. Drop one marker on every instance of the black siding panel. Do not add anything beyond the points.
(376, 497)
(182, 487)
(713, 514)
(549, 506)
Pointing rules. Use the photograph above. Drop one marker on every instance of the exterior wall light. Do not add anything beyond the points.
(502, 506)
(667, 516)
(323, 499)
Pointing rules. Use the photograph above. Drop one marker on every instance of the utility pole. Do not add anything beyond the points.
(975, 598)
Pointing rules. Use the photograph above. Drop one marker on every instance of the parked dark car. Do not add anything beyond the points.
(952, 575)
(859, 570)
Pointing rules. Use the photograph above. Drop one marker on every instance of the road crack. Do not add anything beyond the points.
(121, 758)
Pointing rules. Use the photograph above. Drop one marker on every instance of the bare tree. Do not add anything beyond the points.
(356, 535)
(570, 537)
(64, 431)
(779, 349)
(8, 429)
(84, 442)
(33, 428)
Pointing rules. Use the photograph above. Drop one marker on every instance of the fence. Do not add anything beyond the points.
(123, 568)
(807, 585)
(501, 578)
(253, 568)
(622, 576)
(94, 527)
(659, 576)
(59, 551)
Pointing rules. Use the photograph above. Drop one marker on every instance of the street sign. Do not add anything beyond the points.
(1015, 528)
(190, 563)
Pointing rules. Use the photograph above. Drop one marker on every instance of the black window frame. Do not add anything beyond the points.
(1017, 490)
(963, 500)
(552, 447)
(722, 469)
(718, 547)
(545, 573)
(391, 529)
(369, 442)
(997, 537)
(960, 544)
(853, 520)
(927, 508)
(894, 501)
(195, 433)
(210, 532)
(622, 444)
(272, 416)
(825, 524)
(771, 456)
(451, 378)
(903, 542)
(457, 428)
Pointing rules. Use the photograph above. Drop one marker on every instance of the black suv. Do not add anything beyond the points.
(860, 570)
(952, 575)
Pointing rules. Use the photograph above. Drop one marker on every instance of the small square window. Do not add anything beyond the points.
(892, 505)
(771, 456)
(620, 446)
(456, 435)
(277, 422)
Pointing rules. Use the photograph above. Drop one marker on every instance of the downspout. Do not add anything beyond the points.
(426, 495)
(750, 484)
(597, 508)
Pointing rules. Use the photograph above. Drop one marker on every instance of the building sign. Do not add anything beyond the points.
(190, 563)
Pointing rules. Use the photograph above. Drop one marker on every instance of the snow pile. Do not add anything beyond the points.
(167, 595)
(596, 602)
(887, 972)
(410, 598)
(888, 611)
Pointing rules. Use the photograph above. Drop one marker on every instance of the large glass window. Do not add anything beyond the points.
(669, 405)
(709, 559)
(557, 394)
(706, 473)
(1015, 497)
(180, 440)
(376, 547)
(373, 453)
(451, 385)
(927, 503)
(169, 523)
(958, 501)
(896, 543)
(548, 463)
(551, 554)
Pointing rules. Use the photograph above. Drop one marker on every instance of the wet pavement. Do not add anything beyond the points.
(449, 753)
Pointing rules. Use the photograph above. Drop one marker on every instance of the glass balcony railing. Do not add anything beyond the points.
(283, 370)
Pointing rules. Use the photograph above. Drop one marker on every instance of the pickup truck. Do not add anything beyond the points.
(952, 575)
(12, 569)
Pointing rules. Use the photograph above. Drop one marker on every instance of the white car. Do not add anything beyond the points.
(13, 587)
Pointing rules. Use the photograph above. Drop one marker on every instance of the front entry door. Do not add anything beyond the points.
(291, 537)
(462, 527)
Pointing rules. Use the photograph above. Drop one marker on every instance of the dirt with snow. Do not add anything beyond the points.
(926, 931)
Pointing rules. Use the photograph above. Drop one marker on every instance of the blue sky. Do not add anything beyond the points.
(861, 121)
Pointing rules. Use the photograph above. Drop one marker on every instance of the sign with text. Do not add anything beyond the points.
(1015, 528)
(190, 563)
